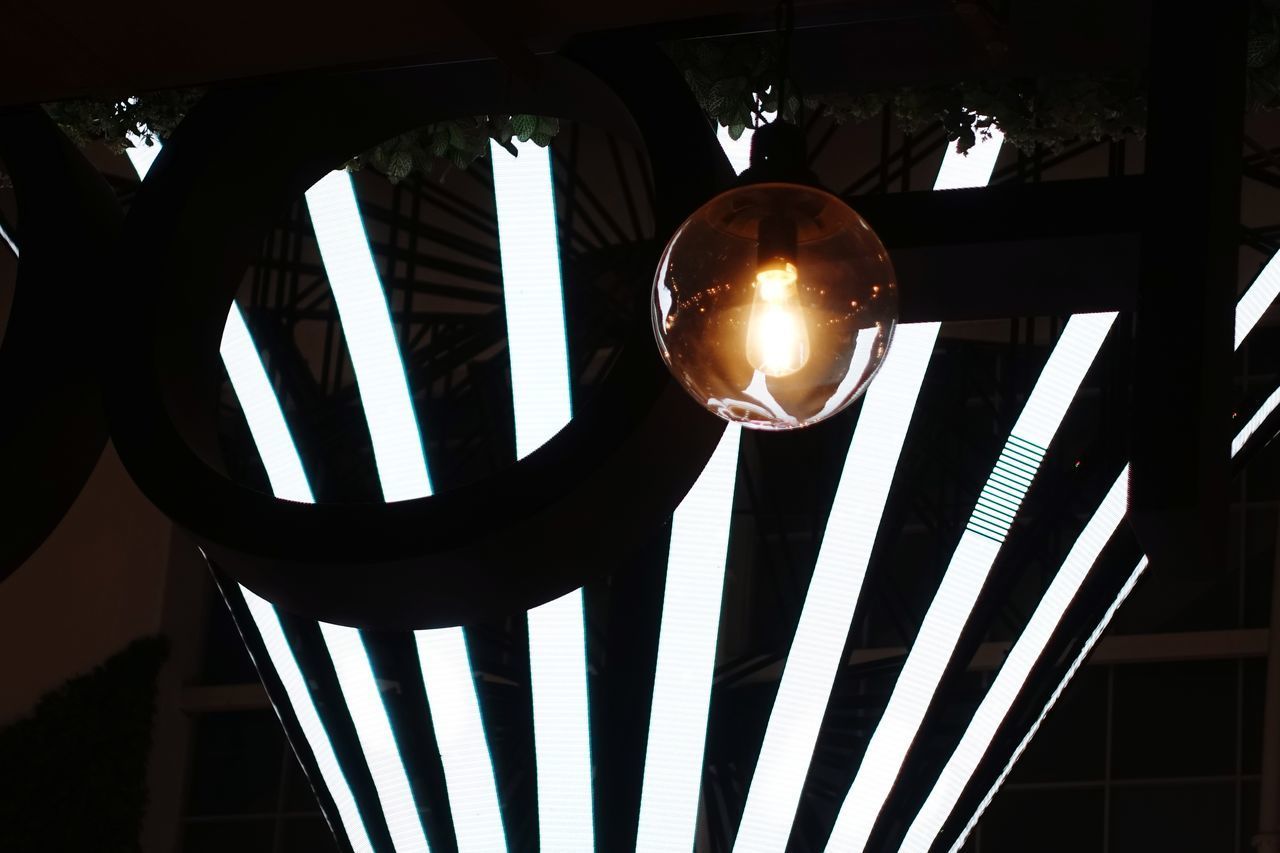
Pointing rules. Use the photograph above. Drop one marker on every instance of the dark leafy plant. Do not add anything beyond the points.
(75, 770)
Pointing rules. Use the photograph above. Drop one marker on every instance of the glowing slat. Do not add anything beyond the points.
(540, 388)
(974, 555)
(686, 655)
(829, 605)
(371, 340)
(1257, 299)
(1246, 432)
(1016, 669)
(532, 293)
(304, 709)
(377, 740)
(1089, 643)
(974, 167)
(262, 411)
(459, 730)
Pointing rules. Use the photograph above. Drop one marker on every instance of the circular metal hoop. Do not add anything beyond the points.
(56, 429)
(557, 519)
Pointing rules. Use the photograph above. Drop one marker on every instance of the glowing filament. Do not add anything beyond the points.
(777, 337)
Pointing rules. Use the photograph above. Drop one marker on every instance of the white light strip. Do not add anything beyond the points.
(304, 709)
(1017, 667)
(1257, 299)
(532, 293)
(371, 340)
(974, 555)
(561, 727)
(1246, 432)
(832, 598)
(540, 379)
(459, 730)
(686, 655)
(1057, 694)
(377, 740)
(974, 167)
(262, 410)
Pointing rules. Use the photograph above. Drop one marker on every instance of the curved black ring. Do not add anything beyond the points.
(539, 529)
(53, 430)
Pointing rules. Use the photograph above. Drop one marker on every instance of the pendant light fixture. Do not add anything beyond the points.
(774, 303)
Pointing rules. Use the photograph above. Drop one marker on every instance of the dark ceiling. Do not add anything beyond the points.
(55, 51)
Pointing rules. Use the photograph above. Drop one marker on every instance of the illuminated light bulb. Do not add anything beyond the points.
(774, 304)
(777, 333)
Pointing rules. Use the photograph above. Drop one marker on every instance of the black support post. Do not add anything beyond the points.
(1181, 413)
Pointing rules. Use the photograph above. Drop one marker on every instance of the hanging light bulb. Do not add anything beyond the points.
(774, 303)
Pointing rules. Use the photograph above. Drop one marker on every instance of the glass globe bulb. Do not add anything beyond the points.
(774, 305)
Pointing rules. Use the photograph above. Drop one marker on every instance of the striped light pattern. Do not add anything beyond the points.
(829, 605)
(295, 686)
(377, 740)
(534, 302)
(974, 555)
(371, 341)
(442, 653)
(1080, 658)
(686, 655)
(459, 731)
(809, 673)
(1017, 667)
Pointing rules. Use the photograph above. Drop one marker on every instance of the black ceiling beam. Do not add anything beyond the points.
(1184, 338)
(1012, 250)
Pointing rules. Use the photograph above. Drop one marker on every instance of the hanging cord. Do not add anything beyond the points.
(785, 21)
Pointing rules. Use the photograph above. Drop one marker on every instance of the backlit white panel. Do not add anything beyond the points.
(974, 167)
(1017, 667)
(739, 150)
(561, 726)
(377, 741)
(262, 411)
(140, 154)
(1057, 694)
(686, 655)
(974, 555)
(532, 293)
(534, 302)
(371, 340)
(829, 605)
(1257, 299)
(1246, 432)
(459, 730)
(304, 709)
